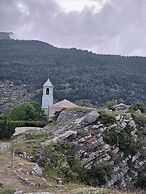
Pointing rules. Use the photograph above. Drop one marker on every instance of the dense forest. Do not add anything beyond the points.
(80, 76)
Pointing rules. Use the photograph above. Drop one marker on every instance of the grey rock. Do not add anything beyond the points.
(24, 156)
(4, 146)
(118, 118)
(107, 158)
(19, 192)
(100, 140)
(97, 126)
(61, 137)
(37, 171)
(103, 129)
(133, 132)
(67, 134)
(39, 193)
(112, 126)
(138, 111)
(132, 124)
(121, 106)
(115, 151)
(90, 118)
(21, 130)
(70, 115)
(135, 157)
(122, 125)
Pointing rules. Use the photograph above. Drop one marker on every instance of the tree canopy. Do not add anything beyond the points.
(26, 112)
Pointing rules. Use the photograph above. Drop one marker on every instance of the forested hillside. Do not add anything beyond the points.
(77, 75)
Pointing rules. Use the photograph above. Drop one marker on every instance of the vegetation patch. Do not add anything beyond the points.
(61, 160)
(107, 118)
(127, 144)
(140, 119)
(141, 182)
(110, 104)
(28, 111)
(7, 128)
(111, 137)
(138, 106)
(98, 174)
(6, 191)
(37, 136)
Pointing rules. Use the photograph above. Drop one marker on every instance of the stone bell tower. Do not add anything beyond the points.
(47, 98)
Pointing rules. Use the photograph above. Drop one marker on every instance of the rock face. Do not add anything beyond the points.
(90, 118)
(109, 148)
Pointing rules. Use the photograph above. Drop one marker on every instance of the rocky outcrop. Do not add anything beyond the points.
(100, 140)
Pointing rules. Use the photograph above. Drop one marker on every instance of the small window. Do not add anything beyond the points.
(47, 91)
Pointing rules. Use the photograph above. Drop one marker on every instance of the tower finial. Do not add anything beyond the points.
(48, 73)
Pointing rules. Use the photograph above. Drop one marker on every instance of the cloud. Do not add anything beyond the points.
(116, 27)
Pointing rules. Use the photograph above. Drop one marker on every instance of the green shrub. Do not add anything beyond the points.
(98, 174)
(140, 119)
(28, 123)
(6, 191)
(110, 137)
(138, 106)
(62, 158)
(67, 174)
(107, 117)
(127, 144)
(141, 181)
(26, 112)
(110, 104)
(7, 128)
(37, 136)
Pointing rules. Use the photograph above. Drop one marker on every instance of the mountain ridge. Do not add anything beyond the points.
(78, 75)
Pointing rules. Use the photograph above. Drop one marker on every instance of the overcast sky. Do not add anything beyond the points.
(102, 26)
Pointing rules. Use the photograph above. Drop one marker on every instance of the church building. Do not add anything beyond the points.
(48, 106)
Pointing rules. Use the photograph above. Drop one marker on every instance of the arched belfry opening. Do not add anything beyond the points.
(47, 91)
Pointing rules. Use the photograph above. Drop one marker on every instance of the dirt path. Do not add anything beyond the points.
(14, 172)
(7, 177)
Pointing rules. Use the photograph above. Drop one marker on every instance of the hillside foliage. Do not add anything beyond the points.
(77, 75)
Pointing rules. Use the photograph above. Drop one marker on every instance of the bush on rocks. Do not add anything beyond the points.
(98, 174)
(110, 137)
(107, 117)
(127, 144)
(141, 182)
(140, 119)
(138, 106)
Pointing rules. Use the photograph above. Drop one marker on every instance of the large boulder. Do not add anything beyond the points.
(66, 115)
(90, 118)
(20, 130)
